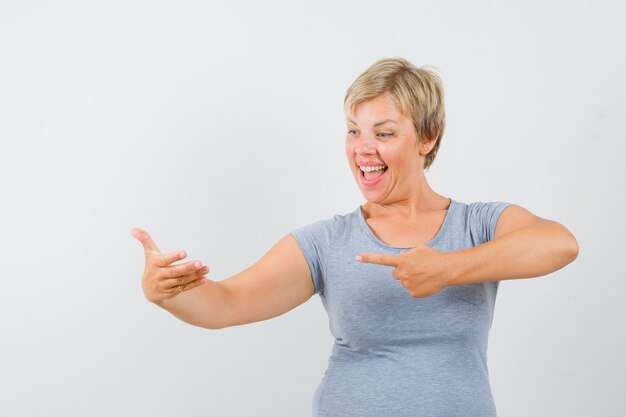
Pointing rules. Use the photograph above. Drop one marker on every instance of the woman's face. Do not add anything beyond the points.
(380, 135)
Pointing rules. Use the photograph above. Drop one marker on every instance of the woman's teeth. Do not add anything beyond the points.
(372, 172)
(370, 168)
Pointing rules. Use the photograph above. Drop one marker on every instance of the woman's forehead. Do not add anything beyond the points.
(375, 111)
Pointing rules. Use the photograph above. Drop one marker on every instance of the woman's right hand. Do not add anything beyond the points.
(161, 280)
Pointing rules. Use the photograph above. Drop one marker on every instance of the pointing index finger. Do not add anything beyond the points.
(378, 258)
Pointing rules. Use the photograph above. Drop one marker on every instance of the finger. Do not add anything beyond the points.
(173, 283)
(171, 257)
(396, 274)
(148, 244)
(183, 279)
(190, 285)
(180, 270)
(378, 258)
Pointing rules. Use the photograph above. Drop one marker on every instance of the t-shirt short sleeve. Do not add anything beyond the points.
(315, 241)
(483, 217)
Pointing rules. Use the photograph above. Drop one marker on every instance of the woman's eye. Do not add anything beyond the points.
(351, 132)
(386, 134)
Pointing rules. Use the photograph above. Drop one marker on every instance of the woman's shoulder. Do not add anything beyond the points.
(484, 209)
(332, 224)
(481, 217)
(480, 206)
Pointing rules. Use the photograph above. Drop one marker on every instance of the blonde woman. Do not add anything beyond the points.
(409, 278)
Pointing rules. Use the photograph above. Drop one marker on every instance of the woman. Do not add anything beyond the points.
(409, 279)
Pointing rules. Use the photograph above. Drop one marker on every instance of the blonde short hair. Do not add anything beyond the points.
(417, 92)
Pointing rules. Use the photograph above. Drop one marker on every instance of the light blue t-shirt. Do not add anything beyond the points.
(395, 355)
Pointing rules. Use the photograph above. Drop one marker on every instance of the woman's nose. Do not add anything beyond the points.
(366, 145)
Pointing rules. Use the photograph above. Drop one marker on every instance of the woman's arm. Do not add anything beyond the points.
(524, 246)
(280, 281)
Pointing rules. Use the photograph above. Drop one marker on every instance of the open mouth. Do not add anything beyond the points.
(370, 178)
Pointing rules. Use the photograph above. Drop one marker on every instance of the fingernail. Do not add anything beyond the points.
(198, 264)
(203, 280)
(182, 254)
(358, 257)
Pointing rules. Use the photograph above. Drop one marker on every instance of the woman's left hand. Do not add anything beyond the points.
(422, 270)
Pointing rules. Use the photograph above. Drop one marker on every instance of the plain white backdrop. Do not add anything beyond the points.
(219, 128)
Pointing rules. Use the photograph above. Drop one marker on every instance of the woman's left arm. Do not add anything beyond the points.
(523, 246)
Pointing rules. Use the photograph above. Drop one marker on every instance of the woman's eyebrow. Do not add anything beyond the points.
(382, 122)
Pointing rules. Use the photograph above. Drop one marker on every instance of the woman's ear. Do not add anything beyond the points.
(427, 145)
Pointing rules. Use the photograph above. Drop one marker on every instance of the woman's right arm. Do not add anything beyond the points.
(277, 283)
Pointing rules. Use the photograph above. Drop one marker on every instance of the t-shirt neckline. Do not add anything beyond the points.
(368, 231)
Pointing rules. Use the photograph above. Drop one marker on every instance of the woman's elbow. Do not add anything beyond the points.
(574, 248)
(570, 245)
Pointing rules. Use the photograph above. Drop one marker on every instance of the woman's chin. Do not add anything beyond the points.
(373, 196)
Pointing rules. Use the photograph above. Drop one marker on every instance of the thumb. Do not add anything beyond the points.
(145, 239)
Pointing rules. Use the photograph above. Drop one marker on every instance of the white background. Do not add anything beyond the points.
(219, 129)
